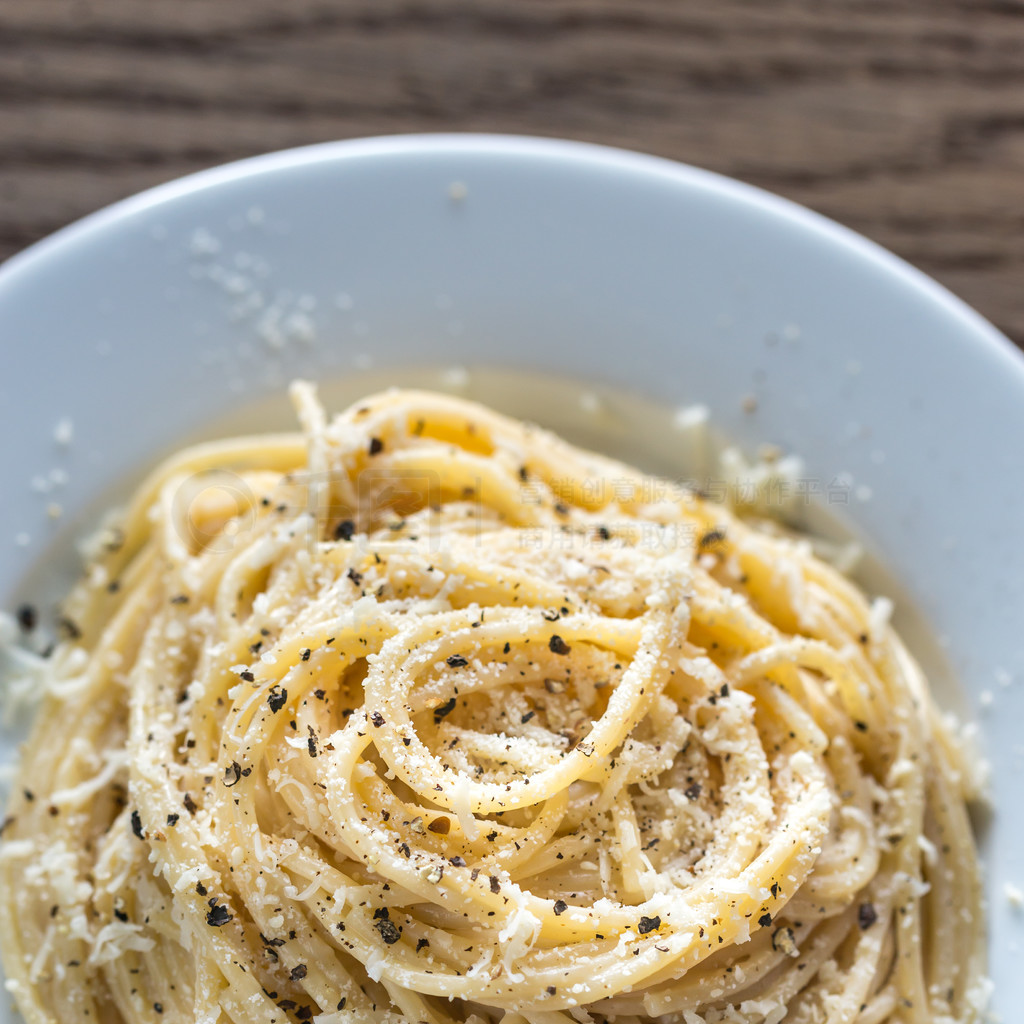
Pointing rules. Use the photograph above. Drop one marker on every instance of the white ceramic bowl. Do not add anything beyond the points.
(168, 314)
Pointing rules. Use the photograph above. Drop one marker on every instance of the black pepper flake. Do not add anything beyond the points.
(119, 914)
(179, 599)
(712, 537)
(376, 446)
(247, 676)
(69, 628)
(27, 617)
(764, 920)
(456, 661)
(298, 972)
(648, 924)
(551, 615)
(421, 944)
(158, 1007)
(604, 533)
(344, 530)
(866, 916)
(557, 645)
(495, 884)
(270, 942)
(189, 804)
(388, 932)
(232, 774)
(457, 861)
(311, 742)
(775, 890)
(355, 577)
(304, 1013)
(305, 653)
(341, 1003)
(560, 907)
(491, 836)
(137, 826)
(200, 888)
(861, 726)
(444, 710)
(377, 719)
(277, 698)
(784, 941)
(217, 915)
(692, 792)
(29, 795)
(525, 718)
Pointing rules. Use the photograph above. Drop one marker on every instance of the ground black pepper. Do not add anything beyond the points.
(557, 645)
(383, 923)
(445, 709)
(217, 915)
(866, 916)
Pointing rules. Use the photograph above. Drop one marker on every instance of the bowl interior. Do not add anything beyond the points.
(518, 265)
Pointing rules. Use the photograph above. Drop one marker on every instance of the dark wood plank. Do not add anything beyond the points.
(903, 119)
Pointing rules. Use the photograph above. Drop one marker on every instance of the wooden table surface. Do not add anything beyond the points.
(903, 119)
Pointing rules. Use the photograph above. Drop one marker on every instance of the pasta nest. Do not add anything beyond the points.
(427, 715)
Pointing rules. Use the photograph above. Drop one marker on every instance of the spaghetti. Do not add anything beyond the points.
(426, 715)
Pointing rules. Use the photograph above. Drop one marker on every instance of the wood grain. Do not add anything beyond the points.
(901, 119)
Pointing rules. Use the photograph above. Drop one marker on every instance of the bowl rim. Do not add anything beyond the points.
(986, 335)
